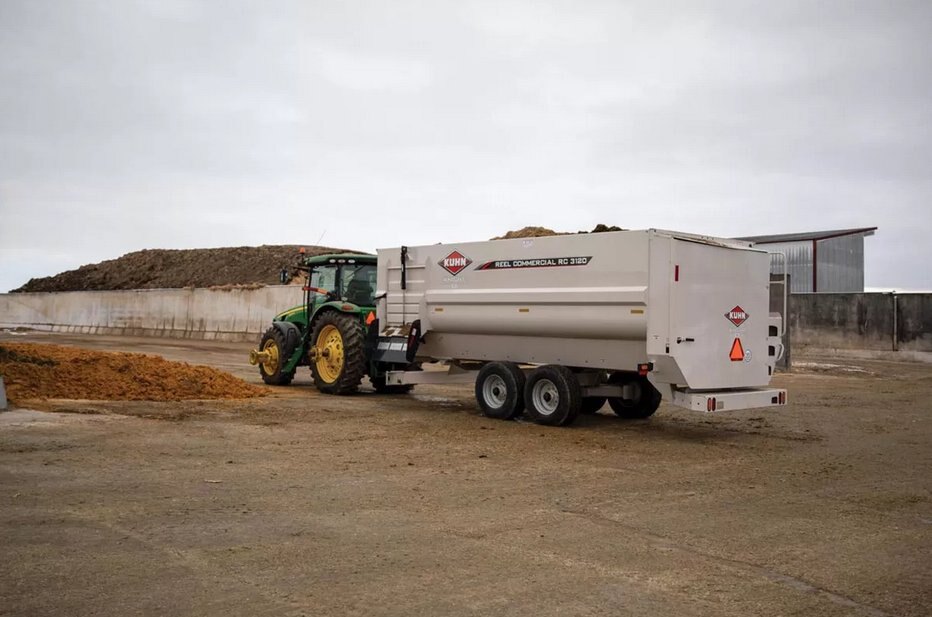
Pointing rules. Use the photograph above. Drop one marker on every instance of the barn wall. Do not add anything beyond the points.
(840, 264)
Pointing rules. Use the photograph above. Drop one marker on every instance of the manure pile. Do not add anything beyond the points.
(42, 372)
(224, 268)
(176, 268)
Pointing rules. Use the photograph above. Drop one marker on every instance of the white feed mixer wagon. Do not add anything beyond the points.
(554, 326)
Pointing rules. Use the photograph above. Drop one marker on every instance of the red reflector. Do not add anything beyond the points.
(348, 307)
(676, 273)
(643, 369)
(708, 404)
(737, 351)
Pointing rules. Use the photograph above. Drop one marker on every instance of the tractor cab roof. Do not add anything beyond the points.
(359, 258)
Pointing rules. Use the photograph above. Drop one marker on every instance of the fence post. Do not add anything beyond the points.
(896, 344)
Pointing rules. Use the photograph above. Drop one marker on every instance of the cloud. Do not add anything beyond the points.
(166, 124)
(369, 72)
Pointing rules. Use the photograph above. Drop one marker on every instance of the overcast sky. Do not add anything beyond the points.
(172, 124)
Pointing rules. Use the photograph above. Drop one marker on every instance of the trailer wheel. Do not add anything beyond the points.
(592, 404)
(500, 390)
(278, 349)
(643, 404)
(552, 396)
(338, 359)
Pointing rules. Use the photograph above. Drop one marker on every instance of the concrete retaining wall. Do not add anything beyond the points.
(232, 315)
(868, 321)
(914, 322)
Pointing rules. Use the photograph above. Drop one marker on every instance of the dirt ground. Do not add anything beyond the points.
(304, 504)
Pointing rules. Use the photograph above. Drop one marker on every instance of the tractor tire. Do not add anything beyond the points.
(552, 396)
(645, 402)
(338, 359)
(592, 405)
(500, 390)
(280, 347)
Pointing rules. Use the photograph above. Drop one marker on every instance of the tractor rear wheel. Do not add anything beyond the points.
(278, 349)
(338, 360)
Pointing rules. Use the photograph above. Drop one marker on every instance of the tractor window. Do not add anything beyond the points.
(359, 284)
(324, 277)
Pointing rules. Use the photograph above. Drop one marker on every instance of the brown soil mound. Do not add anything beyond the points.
(539, 232)
(529, 232)
(32, 371)
(168, 268)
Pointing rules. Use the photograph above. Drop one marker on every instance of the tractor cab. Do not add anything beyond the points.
(347, 277)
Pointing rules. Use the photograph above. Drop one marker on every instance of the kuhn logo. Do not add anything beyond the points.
(455, 262)
(736, 316)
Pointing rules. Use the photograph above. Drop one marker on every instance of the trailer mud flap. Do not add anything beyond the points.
(414, 340)
(396, 346)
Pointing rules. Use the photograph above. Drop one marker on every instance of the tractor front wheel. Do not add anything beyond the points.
(338, 360)
(277, 349)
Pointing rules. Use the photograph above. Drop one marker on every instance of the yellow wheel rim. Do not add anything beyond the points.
(329, 361)
(270, 365)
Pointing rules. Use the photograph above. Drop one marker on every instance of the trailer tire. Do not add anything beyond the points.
(338, 359)
(280, 347)
(645, 402)
(552, 396)
(592, 404)
(500, 390)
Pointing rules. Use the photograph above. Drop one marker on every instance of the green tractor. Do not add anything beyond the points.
(328, 332)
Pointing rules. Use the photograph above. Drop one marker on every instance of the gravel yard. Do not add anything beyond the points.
(302, 504)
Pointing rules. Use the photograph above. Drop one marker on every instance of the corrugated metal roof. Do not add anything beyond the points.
(809, 235)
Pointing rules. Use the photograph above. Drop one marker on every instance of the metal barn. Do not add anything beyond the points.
(819, 261)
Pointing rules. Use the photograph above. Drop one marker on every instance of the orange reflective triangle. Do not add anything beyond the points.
(737, 351)
(370, 318)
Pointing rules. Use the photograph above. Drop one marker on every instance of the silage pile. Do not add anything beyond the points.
(42, 372)
(231, 267)
(541, 232)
